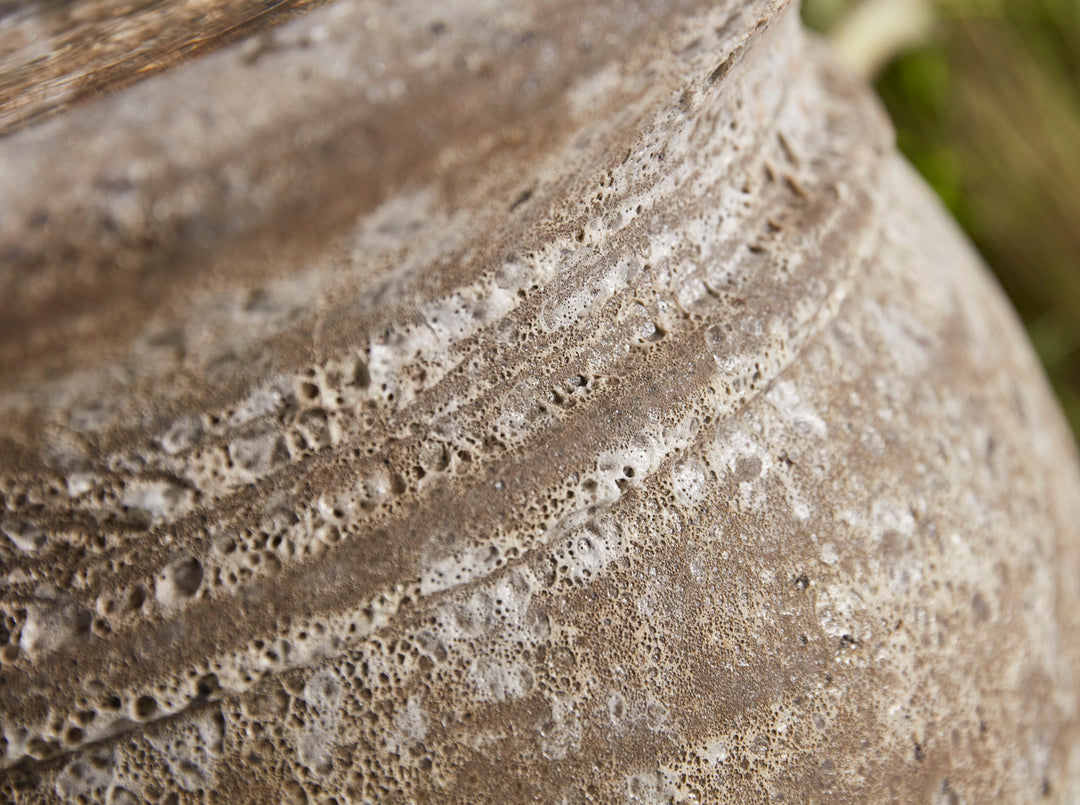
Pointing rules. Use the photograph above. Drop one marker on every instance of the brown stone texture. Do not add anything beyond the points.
(518, 402)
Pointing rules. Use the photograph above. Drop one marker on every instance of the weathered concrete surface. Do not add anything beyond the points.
(557, 402)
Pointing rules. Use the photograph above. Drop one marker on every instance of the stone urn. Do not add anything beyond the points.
(514, 402)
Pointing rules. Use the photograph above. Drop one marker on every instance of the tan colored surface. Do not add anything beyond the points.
(548, 403)
(58, 53)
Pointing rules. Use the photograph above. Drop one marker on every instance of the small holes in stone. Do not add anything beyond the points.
(208, 685)
(145, 707)
(188, 575)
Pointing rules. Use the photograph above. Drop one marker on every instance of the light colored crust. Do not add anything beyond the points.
(589, 406)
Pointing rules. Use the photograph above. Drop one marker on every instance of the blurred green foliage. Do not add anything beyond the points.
(987, 107)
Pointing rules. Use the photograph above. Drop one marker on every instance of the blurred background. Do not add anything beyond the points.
(985, 95)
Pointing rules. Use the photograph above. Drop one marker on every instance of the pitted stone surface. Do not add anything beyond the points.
(556, 402)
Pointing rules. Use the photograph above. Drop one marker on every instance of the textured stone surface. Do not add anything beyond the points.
(558, 402)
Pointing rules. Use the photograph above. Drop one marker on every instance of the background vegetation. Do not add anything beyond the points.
(985, 95)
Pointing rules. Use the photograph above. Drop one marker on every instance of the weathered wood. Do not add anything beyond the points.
(541, 402)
